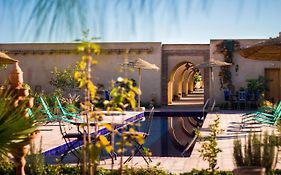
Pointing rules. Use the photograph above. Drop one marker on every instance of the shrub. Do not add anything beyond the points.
(257, 151)
(205, 172)
(209, 149)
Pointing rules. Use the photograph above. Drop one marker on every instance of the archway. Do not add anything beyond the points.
(182, 89)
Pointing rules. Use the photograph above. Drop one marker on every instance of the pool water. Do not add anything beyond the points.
(171, 133)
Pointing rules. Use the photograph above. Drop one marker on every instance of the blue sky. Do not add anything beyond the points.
(166, 21)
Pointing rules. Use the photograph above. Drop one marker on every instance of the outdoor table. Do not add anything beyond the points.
(117, 119)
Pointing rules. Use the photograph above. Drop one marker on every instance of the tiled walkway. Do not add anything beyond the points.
(229, 122)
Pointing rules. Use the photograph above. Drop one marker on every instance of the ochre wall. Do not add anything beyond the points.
(37, 60)
(248, 68)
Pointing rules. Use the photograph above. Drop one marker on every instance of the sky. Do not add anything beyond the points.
(166, 21)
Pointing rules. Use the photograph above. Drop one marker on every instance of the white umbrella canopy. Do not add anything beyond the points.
(5, 59)
(141, 64)
(210, 64)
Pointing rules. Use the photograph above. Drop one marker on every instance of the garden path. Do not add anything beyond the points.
(229, 121)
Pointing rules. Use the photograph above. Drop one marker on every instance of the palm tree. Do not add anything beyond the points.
(15, 128)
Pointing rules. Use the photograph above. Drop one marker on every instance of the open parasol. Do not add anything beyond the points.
(5, 59)
(269, 50)
(210, 64)
(141, 64)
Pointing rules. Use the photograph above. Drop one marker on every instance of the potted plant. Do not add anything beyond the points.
(197, 80)
(256, 156)
(226, 94)
(16, 130)
(257, 86)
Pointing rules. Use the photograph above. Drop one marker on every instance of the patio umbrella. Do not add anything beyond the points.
(210, 64)
(268, 50)
(141, 64)
(5, 59)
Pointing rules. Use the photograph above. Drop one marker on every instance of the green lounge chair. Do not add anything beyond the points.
(67, 113)
(265, 118)
(52, 117)
(263, 110)
(269, 120)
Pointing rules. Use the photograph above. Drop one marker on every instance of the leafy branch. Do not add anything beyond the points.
(209, 149)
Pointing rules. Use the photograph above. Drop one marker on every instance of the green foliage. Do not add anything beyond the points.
(197, 77)
(3, 66)
(35, 160)
(63, 80)
(51, 103)
(145, 171)
(122, 95)
(259, 85)
(83, 73)
(258, 151)
(205, 172)
(14, 126)
(6, 166)
(227, 47)
(209, 149)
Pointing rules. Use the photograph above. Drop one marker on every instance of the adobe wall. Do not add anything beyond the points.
(173, 55)
(247, 68)
(37, 60)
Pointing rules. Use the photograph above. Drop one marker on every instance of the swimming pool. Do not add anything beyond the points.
(172, 132)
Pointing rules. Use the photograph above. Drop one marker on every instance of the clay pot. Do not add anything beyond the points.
(249, 170)
(22, 92)
(30, 102)
(2, 90)
(16, 76)
(21, 152)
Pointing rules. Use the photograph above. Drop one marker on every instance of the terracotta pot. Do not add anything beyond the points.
(16, 76)
(30, 102)
(22, 92)
(249, 170)
(2, 90)
(21, 152)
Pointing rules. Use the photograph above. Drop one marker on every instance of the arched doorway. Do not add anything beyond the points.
(175, 56)
(185, 85)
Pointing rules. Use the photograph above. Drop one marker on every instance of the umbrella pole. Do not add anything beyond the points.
(139, 71)
(279, 81)
(212, 89)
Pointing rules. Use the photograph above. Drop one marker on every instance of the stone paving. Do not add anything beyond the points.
(229, 122)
